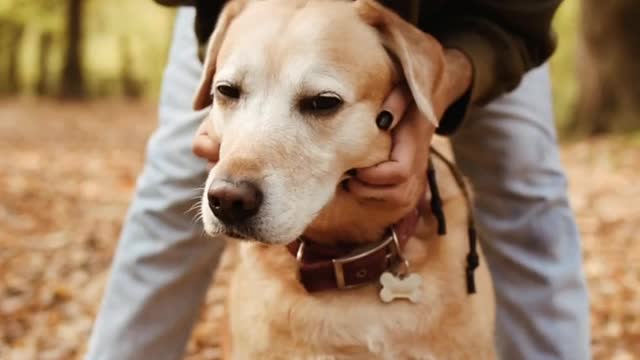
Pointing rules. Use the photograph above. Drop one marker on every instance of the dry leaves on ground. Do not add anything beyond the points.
(67, 172)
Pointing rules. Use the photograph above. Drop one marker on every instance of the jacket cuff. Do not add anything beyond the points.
(454, 115)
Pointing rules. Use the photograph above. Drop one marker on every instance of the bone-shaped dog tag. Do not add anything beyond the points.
(407, 287)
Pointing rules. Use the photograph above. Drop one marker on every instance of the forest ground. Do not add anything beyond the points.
(68, 170)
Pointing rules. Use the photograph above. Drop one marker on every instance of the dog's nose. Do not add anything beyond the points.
(234, 202)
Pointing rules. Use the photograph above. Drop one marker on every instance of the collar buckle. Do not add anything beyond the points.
(391, 243)
(362, 265)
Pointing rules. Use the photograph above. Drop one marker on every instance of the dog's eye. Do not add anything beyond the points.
(320, 104)
(229, 91)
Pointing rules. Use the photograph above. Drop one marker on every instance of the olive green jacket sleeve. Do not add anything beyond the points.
(503, 39)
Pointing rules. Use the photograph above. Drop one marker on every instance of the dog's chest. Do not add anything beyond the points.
(272, 318)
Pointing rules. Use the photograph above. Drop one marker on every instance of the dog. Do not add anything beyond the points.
(294, 87)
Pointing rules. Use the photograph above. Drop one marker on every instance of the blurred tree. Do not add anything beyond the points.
(19, 19)
(11, 34)
(73, 84)
(608, 67)
(44, 54)
(131, 87)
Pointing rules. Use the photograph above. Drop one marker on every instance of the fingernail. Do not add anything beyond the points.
(384, 120)
(345, 185)
(352, 172)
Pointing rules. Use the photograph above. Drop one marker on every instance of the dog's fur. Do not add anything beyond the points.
(278, 51)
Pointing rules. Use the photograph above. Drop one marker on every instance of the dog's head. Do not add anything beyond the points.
(295, 88)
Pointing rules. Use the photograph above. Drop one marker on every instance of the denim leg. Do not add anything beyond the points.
(163, 263)
(509, 151)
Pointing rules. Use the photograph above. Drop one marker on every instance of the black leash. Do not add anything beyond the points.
(436, 200)
(473, 260)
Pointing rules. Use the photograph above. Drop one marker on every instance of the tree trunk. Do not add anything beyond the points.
(608, 67)
(14, 33)
(73, 85)
(46, 40)
(131, 87)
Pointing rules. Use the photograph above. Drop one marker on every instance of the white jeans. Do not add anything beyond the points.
(163, 265)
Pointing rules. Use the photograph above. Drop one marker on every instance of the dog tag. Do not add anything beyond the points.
(401, 287)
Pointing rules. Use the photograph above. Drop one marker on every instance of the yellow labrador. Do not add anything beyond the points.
(295, 87)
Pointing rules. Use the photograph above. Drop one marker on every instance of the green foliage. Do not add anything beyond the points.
(125, 42)
(133, 37)
(563, 63)
(44, 15)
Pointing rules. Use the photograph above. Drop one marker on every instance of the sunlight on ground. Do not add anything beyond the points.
(65, 187)
(563, 62)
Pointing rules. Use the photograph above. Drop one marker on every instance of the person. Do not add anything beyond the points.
(506, 145)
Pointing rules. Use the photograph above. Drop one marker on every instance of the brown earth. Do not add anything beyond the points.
(67, 172)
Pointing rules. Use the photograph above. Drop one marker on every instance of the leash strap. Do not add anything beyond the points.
(436, 200)
(473, 260)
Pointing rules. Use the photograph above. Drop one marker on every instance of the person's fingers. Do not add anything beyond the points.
(395, 195)
(394, 107)
(370, 192)
(204, 145)
(400, 164)
(387, 173)
(391, 117)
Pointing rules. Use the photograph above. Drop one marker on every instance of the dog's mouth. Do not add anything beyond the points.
(242, 233)
(236, 235)
(239, 234)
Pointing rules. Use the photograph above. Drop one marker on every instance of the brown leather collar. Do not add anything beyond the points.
(343, 266)
(325, 267)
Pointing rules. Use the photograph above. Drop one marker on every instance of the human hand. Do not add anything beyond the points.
(206, 146)
(395, 181)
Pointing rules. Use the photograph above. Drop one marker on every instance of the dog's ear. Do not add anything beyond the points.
(419, 54)
(229, 12)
